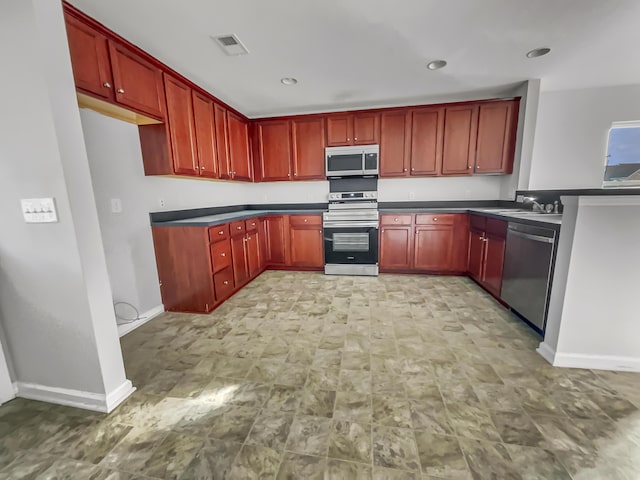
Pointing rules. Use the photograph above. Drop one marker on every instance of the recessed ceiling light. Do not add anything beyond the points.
(436, 65)
(538, 52)
(288, 81)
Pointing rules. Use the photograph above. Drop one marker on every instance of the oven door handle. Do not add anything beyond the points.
(351, 224)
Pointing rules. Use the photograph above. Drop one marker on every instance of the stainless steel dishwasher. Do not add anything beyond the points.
(528, 263)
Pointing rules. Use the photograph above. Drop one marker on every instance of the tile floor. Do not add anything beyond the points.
(302, 376)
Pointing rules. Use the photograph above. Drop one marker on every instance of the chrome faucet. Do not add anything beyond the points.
(536, 205)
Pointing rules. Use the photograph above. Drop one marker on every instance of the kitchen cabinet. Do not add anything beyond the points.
(276, 228)
(222, 141)
(426, 140)
(460, 131)
(238, 147)
(395, 143)
(306, 241)
(186, 281)
(308, 138)
(181, 127)
(106, 69)
(497, 125)
(205, 133)
(274, 150)
(245, 250)
(487, 240)
(424, 243)
(353, 129)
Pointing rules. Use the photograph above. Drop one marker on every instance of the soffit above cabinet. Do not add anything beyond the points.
(363, 54)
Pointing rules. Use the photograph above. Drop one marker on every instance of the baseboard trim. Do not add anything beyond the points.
(591, 362)
(144, 318)
(96, 402)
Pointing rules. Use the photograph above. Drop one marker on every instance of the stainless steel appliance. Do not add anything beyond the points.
(359, 160)
(351, 228)
(528, 265)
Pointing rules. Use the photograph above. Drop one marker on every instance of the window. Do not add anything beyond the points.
(622, 168)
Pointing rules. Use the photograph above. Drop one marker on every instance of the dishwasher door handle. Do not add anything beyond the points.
(537, 238)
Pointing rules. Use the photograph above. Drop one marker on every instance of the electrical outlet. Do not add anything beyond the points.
(161, 202)
(412, 195)
(520, 199)
(116, 205)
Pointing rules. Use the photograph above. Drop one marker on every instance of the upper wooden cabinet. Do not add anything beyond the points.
(497, 122)
(239, 156)
(353, 129)
(274, 149)
(460, 130)
(108, 70)
(395, 143)
(181, 127)
(222, 141)
(426, 140)
(290, 149)
(205, 133)
(308, 139)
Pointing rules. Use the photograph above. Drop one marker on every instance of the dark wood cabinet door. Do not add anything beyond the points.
(274, 150)
(181, 127)
(182, 255)
(366, 128)
(339, 130)
(308, 136)
(494, 262)
(426, 141)
(276, 240)
(396, 247)
(460, 131)
(137, 83)
(476, 255)
(252, 252)
(433, 248)
(239, 260)
(395, 143)
(89, 59)
(306, 246)
(497, 125)
(239, 147)
(460, 255)
(205, 131)
(262, 242)
(222, 141)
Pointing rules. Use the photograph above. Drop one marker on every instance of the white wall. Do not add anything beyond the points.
(571, 134)
(6, 386)
(55, 300)
(593, 315)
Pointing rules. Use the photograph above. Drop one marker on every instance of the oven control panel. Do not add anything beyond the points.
(337, 196)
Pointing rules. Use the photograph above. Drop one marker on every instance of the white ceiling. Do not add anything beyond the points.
(357, 53)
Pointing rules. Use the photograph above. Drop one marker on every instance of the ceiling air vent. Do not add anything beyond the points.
(231, 45)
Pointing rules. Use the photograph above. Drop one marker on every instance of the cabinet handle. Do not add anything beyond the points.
(413, 169)
(226, 282)
(223, 254)
(197, 167)
(289, 175)
(405, 170)
(469, 166)
(477, 167)
(201, 169)
(348, 139)
(356, 139)
(238, 227)
(306, 220)
(221, 232)
(121, 90)
(253, 224)
(435, 219)
(395, 219)
(106, 85)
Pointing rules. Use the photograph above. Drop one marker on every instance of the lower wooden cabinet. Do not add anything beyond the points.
(487, 240)
(186, 281)
(252, 253)
(238, 254)
(306, 241)
(276, 239)
(435, 243)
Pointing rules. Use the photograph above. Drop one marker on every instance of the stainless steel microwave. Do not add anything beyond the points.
(359, 160)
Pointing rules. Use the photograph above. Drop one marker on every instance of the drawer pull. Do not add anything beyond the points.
(238, 227)
(223, 254)
(395, 219)
(306, 220)
(226, 282)
(435, 219)
(221, 232)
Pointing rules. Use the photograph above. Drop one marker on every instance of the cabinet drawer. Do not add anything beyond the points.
(435, 219)
(223, 281)
(237, 227)
(496, 227)
(395, 219)
(305, 220)
(478, 222)
(219, 232)
(220, 256)
(251, 225)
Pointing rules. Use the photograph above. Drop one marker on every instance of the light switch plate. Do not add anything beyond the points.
(116, 205)
(39, 210)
